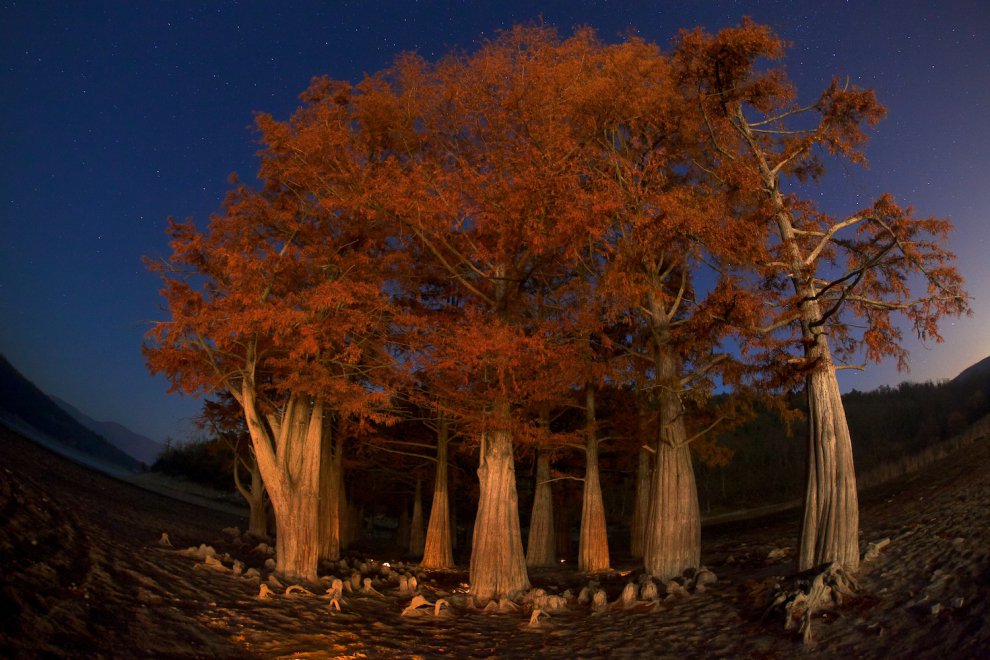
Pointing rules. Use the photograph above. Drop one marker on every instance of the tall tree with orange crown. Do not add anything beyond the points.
(282, 302)
(829, 286)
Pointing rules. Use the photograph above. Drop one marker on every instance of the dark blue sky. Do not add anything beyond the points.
(119, 114)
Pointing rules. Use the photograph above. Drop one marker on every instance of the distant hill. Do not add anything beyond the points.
(25, 408)
(134, 444)
(981, 368)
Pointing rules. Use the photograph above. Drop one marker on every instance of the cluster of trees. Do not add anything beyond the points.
(486, 244)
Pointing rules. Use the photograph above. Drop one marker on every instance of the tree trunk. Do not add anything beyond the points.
(672, 538)
(830, 532)
(641, 505)
(255, 496)
(288, 451)
(331, 487)
(439, 550)
(258, 520)
(498, 564)
(541, 548)
(593, 545)
(416, 541)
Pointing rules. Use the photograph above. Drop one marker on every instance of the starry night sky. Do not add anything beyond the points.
(118, 114)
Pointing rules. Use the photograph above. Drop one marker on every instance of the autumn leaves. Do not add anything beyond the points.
(505, 232)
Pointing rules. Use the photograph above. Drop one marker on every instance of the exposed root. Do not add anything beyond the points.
(626, 599)
(826, 591)
(873, 550)
(296, 589)
(369, 590)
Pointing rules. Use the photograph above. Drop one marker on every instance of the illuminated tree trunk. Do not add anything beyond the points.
(672, 537)
(593, 544)
(498, 564)
(641, 504)
(541, 545)
(416, 540)
(830, 528)
(830, 532)
(331, 503)
(439, 550)
(288, 450)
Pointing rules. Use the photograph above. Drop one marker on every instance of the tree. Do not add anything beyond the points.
(281, 302)
(225, 419)
(494, 203)
(823, 276)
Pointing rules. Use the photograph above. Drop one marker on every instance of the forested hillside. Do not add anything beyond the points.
(888, 425)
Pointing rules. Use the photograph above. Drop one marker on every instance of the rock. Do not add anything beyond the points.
(264, 593)
(165, 541)
(703, 579)
(270, 564)
(957, 602)
(778, 553)
(232, 531)
(649, 591)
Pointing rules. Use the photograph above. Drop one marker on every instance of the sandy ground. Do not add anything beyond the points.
(82, 574)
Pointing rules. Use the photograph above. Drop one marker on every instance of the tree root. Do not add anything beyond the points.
(418, 607)
(873, 550)
(826, 591)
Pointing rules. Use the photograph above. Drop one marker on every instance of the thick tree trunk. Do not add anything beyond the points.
(331, 487)
(498, 564)
(416, 540)
(641, 504)
(593, 544)
(288, 451)
(541, 548)
(672, 537)
(439, 550)
(830, 532)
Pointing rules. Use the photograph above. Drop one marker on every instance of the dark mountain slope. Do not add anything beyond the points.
(134, 444)
(22, 403)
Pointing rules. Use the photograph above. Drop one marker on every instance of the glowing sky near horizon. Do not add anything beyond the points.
(117, 115)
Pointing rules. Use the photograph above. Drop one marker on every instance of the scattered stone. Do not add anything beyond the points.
(264, 593)
(165, 541)
(264, 549)
(232, 531)
(957, 602)
(703, 579)
(778, 553)
(201, 553)
(270, 564)
(649, 591)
